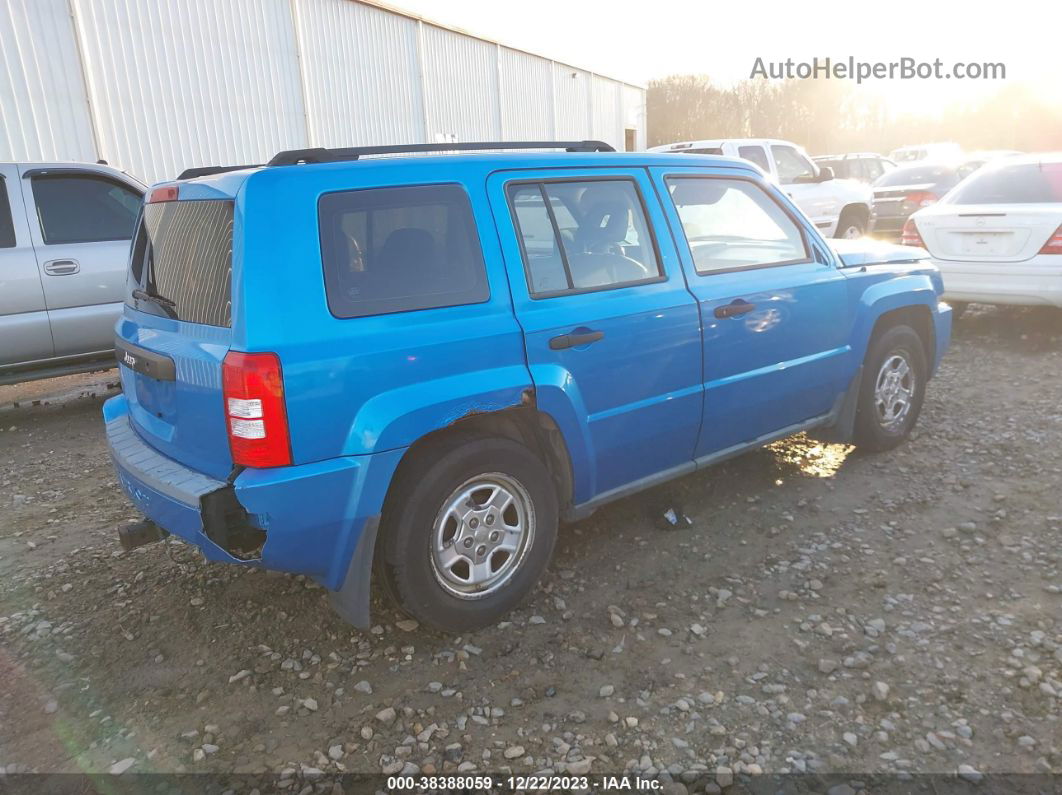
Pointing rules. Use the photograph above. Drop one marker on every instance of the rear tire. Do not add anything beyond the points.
(468, 532)
(892, 389)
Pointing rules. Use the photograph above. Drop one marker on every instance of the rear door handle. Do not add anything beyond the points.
(61, 267)
(574, 340)
(738, 307)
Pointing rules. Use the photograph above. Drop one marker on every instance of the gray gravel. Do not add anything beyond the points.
(827, 612)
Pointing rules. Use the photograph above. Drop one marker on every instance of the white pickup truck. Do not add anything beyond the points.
(837, 207)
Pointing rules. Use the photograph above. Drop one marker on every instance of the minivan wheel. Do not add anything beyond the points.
(468, 532)
(892, 389)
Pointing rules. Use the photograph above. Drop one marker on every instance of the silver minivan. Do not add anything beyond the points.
(64, 248)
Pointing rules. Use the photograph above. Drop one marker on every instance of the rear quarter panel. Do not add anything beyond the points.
(364, 385)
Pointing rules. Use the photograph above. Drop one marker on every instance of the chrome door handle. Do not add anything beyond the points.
(61, 267)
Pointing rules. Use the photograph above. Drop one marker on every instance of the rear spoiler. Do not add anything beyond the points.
(207, 171)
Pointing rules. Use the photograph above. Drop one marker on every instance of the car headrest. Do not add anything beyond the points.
(408, 247)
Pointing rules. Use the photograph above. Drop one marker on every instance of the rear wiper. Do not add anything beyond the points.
(155, 298)
(144, 295)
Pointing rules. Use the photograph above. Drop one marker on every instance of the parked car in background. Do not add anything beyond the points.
(974, 160)
(545, 333)
(837, 207)
(997, 238)
(64, 250)
(907, 189)
(950, 152)
(861, 166)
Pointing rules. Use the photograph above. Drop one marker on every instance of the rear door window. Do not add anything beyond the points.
(83, 208)
(183, 253)
(756, 155)
(583, 235)
(400, 249)
(7, 226)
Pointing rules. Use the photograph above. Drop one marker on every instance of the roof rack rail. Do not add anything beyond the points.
(319, 155)
(206, 171)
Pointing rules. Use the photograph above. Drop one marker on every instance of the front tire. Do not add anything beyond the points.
(892, 390)
(468, 532)
(850, 226)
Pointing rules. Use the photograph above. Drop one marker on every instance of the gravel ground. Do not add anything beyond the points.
(827, 612)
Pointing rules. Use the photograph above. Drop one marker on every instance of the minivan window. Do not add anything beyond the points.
(183, 253)
(399, 249)
(591, 235)
(732, 223)
(7, 226)
(84, 209)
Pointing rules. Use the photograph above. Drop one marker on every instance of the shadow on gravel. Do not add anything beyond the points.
(1032, 329)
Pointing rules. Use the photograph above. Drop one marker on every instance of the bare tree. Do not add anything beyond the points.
(836, 116)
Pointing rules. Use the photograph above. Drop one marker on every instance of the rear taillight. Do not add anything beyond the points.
(910, 236)
(920, 198)
(257, 421)
(1054, 243)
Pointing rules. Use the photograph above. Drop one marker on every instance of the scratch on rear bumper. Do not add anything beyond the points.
(164, 475)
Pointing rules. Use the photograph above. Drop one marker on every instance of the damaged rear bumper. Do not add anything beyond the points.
(309, 519)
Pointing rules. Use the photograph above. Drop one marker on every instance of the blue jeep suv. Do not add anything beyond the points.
(414, 368)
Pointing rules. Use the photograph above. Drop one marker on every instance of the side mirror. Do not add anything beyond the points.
(825, 174)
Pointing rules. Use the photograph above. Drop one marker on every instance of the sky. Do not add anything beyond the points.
(637, 41)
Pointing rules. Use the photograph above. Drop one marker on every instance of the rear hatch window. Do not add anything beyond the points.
(917, 176)
(183, 255)
(1028, 183)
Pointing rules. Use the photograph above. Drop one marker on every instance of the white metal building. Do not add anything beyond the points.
(155, 87)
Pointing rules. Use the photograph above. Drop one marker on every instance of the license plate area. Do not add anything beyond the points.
(153, 376)
(983, 244)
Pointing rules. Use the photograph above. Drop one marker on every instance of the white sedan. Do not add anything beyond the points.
(997, 236)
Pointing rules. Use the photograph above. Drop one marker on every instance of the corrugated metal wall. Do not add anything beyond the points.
(190, 82)
(571, 92)
(606, 99)
(156, 87)
(44, 112)
(634, 117)
(360, 74)
(461, 86)
(526, 96)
